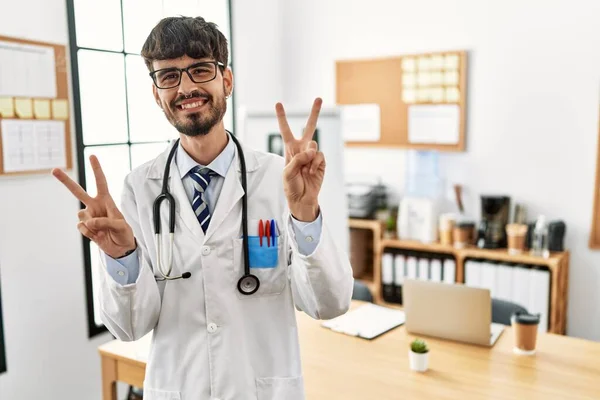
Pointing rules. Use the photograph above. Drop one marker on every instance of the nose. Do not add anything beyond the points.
(187, 85)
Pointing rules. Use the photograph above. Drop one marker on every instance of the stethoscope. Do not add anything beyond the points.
(247, 284)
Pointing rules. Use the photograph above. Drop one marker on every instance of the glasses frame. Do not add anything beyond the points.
(186, 70)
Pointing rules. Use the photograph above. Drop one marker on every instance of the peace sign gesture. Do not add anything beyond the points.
(304, 165)
(100, 221)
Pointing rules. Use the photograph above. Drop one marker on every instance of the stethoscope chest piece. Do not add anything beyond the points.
(248, 284)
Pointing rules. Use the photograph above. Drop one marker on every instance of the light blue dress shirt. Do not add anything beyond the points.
(125, 270)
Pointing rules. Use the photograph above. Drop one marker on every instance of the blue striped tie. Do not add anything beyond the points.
(201, 178)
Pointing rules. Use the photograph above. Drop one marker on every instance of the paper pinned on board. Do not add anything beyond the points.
(361, 122)
(439, 124)
(30, 70)
(32, 145)
(41, 108)
(60, 109)
(24, 108)
(7, 107)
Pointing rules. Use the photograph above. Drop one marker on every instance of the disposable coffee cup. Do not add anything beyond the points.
(463, 234)
(525, 329)
(516, 235)
(446, 227)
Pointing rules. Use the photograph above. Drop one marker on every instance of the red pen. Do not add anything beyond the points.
(260, 231)
(268, 232)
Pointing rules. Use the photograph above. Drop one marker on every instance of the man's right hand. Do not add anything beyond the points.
(100, 221)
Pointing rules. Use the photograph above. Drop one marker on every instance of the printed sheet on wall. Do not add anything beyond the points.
(34, 108)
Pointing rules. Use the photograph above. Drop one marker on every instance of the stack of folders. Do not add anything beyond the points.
(525, 285)
(367, 321)
(398, 265)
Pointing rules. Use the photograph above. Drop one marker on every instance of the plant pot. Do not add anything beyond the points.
(418, 361)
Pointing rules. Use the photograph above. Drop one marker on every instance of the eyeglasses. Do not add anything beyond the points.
(168, 78)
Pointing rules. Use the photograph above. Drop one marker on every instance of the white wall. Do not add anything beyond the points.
(258, 63)
(533, 97)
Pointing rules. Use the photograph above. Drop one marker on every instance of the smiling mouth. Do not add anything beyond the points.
(192, 106)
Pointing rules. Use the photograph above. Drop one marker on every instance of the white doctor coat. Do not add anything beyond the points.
(209, 340)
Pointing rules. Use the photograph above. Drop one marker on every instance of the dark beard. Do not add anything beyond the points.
(196, 125)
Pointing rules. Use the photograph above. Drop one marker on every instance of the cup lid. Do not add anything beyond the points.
(526, 319)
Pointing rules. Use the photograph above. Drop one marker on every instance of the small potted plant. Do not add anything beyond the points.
(418, 355)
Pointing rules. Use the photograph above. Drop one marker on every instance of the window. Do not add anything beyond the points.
(116, 117)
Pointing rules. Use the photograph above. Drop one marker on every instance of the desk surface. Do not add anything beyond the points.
(343, 367)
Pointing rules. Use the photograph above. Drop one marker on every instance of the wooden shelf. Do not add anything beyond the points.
(475, 252)
(373, 281)
(418, 246)
(557, 264)
(374, 225)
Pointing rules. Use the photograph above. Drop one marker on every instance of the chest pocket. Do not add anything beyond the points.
(267, 263)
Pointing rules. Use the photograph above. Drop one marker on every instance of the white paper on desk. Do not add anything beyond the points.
(361, 122)
(27, 70)
(29, 145)
(438, 124)
(366, 321)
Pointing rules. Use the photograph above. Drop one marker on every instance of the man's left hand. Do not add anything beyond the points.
(304, 166)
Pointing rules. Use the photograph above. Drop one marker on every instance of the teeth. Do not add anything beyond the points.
(192, 105)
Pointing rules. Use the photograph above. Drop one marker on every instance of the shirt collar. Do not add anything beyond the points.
(220, 164)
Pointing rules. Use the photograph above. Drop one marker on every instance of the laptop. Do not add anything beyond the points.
(450, 311)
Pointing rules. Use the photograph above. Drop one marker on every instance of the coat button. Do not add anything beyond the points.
(212, 327)
(205, 250)
(309, 239)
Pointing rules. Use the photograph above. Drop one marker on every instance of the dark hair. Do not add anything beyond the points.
(173, 37)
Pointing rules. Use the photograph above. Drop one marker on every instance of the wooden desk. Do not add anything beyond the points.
(342, 367)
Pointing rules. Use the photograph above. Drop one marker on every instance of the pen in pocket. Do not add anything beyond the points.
(261, 232)
(274, 232)
(268, 232)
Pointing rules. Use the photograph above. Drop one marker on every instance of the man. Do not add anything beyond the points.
(210, 340)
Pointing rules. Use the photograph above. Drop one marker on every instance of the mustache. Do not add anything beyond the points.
(198, 95)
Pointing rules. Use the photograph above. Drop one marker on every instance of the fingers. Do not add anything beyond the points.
(73, 186)
(103, 224)
(311, 124)
(84, 215)
(284, 128)
(300, 161)
(85, 231)
(101, 185)
(112, 210)
(317, 163)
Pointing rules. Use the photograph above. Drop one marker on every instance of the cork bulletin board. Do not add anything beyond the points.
(35, 125)
(421, 98)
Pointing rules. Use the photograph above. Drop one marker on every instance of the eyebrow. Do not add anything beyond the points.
(194, 63)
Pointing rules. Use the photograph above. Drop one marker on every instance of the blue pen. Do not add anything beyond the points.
(274, 232)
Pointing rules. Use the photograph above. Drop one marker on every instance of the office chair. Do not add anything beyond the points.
(135, 393)
(502, 310)
(361, 292)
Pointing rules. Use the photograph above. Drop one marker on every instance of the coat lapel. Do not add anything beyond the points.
(183, 208)
(231, 193)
